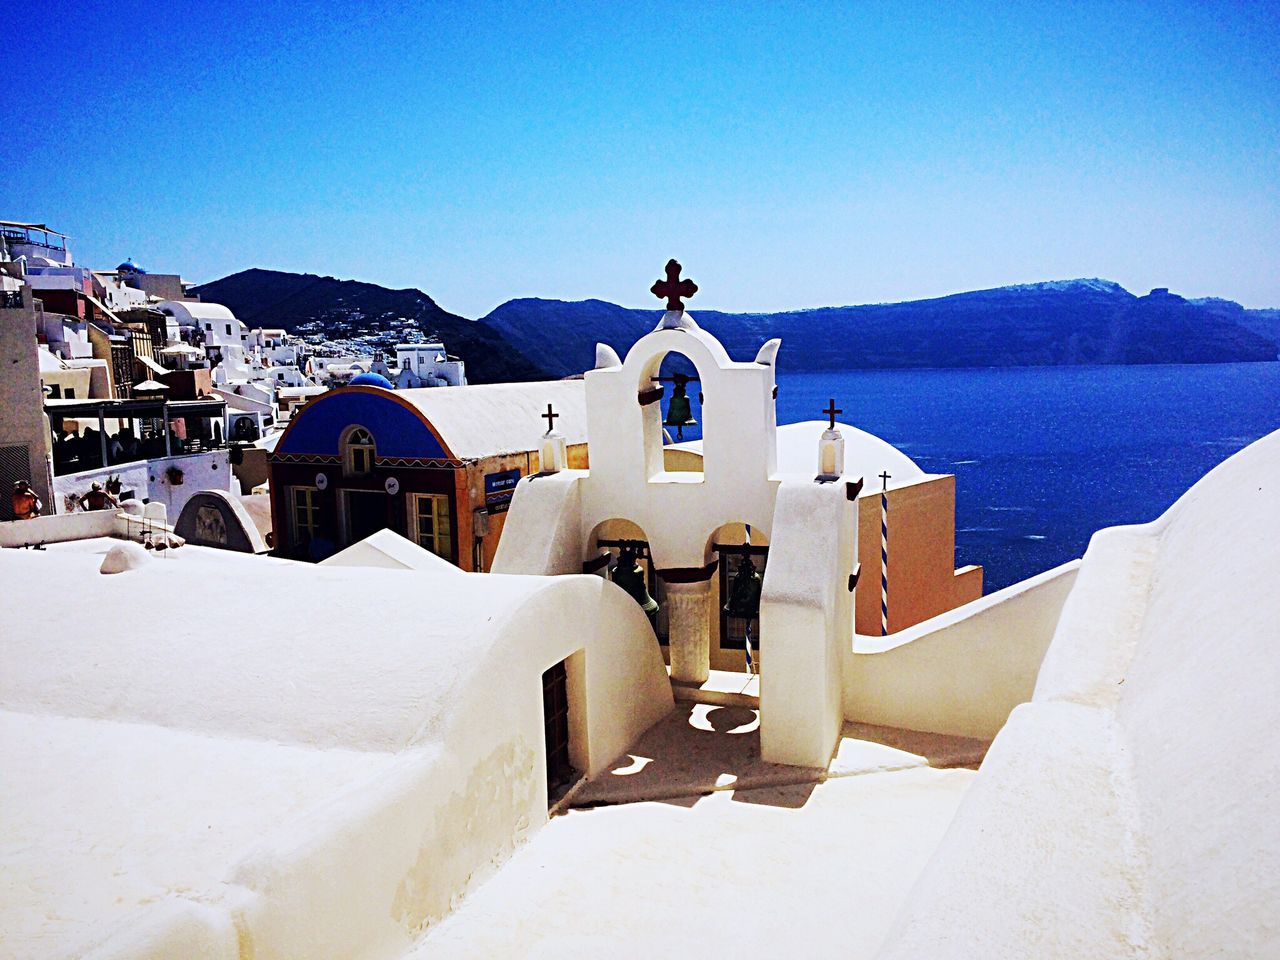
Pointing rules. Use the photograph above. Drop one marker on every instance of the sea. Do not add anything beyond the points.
(1046, 456)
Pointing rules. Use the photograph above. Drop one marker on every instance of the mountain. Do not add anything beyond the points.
(1265, 323)
(342, 309)
(1037, 324)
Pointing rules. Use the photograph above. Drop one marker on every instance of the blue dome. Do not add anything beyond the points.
(129, 267)
(371, 380)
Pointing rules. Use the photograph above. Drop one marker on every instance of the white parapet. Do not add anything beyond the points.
(963, 671)
(806, 622)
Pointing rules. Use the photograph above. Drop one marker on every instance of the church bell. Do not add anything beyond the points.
(629, 575)
(679, 410)
(744, 593)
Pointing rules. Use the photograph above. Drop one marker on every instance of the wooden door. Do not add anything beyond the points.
(555, 713)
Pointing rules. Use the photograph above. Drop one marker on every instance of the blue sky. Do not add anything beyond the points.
(790, 155)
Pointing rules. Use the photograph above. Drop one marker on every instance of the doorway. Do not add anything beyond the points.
(366, 514)
(555, 717)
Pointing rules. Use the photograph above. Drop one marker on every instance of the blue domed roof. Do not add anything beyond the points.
(129, 267)
(371, 380)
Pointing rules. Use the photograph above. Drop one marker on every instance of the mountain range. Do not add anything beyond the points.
(1086, 321)
(1039, 324)
(343, 309)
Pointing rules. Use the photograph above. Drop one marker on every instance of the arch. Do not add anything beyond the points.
(649, 394)
(245, 428)
(605, 544)
(309, 434)
(731, 635)
(359, 450)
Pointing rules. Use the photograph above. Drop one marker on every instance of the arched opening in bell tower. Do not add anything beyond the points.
(618, 550)
(671, 397)
(742, 552)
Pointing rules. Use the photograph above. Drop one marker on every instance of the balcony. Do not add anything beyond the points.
(90, 435)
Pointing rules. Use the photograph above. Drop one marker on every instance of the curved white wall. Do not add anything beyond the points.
(1199, 711)
(1129, 809)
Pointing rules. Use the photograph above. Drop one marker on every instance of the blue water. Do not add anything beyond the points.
(1045, 456)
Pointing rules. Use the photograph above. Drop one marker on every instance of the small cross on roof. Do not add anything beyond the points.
(831, 412)
(550, 416)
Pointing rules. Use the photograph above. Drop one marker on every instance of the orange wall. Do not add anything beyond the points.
(923, 581)
(470, 495)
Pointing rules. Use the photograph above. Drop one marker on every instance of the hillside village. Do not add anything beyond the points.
(123, 382)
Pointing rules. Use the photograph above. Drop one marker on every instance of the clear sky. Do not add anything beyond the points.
(789, 154)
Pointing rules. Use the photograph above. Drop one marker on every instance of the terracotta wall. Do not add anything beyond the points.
(188, 384)
(471, 497)
(923, 581)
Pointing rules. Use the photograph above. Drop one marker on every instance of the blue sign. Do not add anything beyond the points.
(499, 488)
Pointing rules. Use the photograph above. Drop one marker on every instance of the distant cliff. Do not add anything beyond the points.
(1039, 324)
(1265, 323)
(350, 309)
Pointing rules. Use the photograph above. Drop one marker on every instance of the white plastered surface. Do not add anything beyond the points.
(747, 874)
(270, 767)
(1128, 810)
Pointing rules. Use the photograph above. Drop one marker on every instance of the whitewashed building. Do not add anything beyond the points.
(426, 365)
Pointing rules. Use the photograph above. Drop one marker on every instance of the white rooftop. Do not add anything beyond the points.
(488, 419)
(197, 309)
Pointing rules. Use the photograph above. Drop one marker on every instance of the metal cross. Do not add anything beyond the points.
(673, 288)
(831, 411)
(884, 477)
(550, 416)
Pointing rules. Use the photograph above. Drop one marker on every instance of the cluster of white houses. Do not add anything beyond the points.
(125, 379)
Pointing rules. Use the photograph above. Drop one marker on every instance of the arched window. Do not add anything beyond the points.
(358, 452)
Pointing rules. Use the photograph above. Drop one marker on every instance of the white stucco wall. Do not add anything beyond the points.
(1128, 810)
(806, 610)
(391, 551)
(543, 530)
(806, 622)
(678, 512)
(963, 671)
(149, 480)
(56, 528)
(431, 733)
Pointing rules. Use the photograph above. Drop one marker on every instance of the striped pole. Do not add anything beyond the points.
(884, 555)
(746, 638)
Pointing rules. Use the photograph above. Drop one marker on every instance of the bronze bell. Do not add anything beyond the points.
(744, 593)
(629, 575)
(679, 411)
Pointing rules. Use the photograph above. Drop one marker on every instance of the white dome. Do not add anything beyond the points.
(865, 454)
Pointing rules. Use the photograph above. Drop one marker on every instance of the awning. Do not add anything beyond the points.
(116, 409)
(33, 226)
